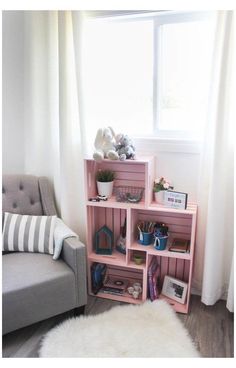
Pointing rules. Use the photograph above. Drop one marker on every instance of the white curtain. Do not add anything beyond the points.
(53, 132)
(216, 179)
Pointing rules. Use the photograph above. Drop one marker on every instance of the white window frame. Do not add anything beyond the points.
(167, 140)
(159, 20)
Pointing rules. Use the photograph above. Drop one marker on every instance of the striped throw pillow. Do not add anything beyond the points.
(23, 233)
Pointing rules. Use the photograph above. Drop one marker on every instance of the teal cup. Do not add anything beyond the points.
(160, 242)
(145, 238)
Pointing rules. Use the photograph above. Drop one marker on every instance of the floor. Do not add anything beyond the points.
(212, 329)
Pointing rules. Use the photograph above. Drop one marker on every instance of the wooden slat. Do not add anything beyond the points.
(179, 269)
(166, 217)
(121, 167)
(117, 224)
(186, 271)
(164, 268)
(172, 267)
(125, 175)
(129, 183)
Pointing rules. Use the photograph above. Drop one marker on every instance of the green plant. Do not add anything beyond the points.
(161, 184)
(105, 176)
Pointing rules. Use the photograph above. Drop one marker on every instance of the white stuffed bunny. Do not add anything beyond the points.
(105, 145)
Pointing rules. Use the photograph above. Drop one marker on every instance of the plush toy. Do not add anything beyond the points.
(105, 145)
(124, 147)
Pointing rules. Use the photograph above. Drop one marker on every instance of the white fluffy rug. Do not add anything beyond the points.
(148, 330)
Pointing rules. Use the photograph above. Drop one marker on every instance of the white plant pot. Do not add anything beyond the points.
(159, 197)
(105, 188)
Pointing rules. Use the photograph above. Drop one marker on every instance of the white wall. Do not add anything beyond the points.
(12, 92)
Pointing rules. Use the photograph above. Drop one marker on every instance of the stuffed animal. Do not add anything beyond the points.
(124, 147)
(105, 145)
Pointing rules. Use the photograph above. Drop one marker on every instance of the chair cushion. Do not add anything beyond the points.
(25, 233)
(35, 288)
(21, 194)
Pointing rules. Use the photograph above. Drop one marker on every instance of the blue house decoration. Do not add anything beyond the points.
(104, 240)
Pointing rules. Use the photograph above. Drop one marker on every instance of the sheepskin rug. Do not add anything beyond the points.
(148, 330)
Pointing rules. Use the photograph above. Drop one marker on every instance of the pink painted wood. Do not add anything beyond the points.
(181, 223)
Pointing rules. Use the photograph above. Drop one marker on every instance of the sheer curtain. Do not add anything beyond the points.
(216, 179)
(53, 132)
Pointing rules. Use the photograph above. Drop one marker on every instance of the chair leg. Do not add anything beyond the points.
(79, 311)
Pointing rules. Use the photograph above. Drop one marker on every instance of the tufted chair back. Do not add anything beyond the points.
(27, 195)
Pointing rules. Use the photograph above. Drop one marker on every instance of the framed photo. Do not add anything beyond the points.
(175, 289)
(175, 199)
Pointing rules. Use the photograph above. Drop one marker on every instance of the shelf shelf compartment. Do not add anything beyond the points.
(174, 267)
(177, 268)
(179, 225)
(113, 218)
(127, 273)
(115, 258)
(126, 298)
(131, 173)
(163, 253)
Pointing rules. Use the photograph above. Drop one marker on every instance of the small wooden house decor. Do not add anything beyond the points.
(104, 240)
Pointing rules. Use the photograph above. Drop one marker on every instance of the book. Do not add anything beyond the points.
(153, 277)
(110, 290)
(98, 271)
(180, 245)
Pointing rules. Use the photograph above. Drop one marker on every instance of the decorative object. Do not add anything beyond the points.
(119, 333)
(105, 145)
(175, 199)
(104, 240)
(121, 242)
(135, 290)
(16, 227)
(124, 147)
(98, 198)
(128, 194)
(159, 197)
(159, 187)
(138, 259)
(137, 286)
(114, 283)
(105, 180)
(175, 289)
(160, 236)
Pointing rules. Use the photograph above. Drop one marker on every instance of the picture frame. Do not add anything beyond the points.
(175, 199)
(175, 289)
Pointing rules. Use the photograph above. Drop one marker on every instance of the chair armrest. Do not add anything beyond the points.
(74, 254)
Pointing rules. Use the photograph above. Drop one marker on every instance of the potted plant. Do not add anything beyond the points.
(105, 180)
(160, 185)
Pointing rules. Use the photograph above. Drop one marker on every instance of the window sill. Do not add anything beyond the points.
(154, 144)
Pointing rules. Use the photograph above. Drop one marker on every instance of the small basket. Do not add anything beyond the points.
(128, 194)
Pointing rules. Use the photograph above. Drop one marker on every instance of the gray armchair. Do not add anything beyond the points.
(35, 287)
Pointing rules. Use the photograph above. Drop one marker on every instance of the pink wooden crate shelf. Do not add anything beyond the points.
(181, 223)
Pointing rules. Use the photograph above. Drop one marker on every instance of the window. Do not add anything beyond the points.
(148, 76)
